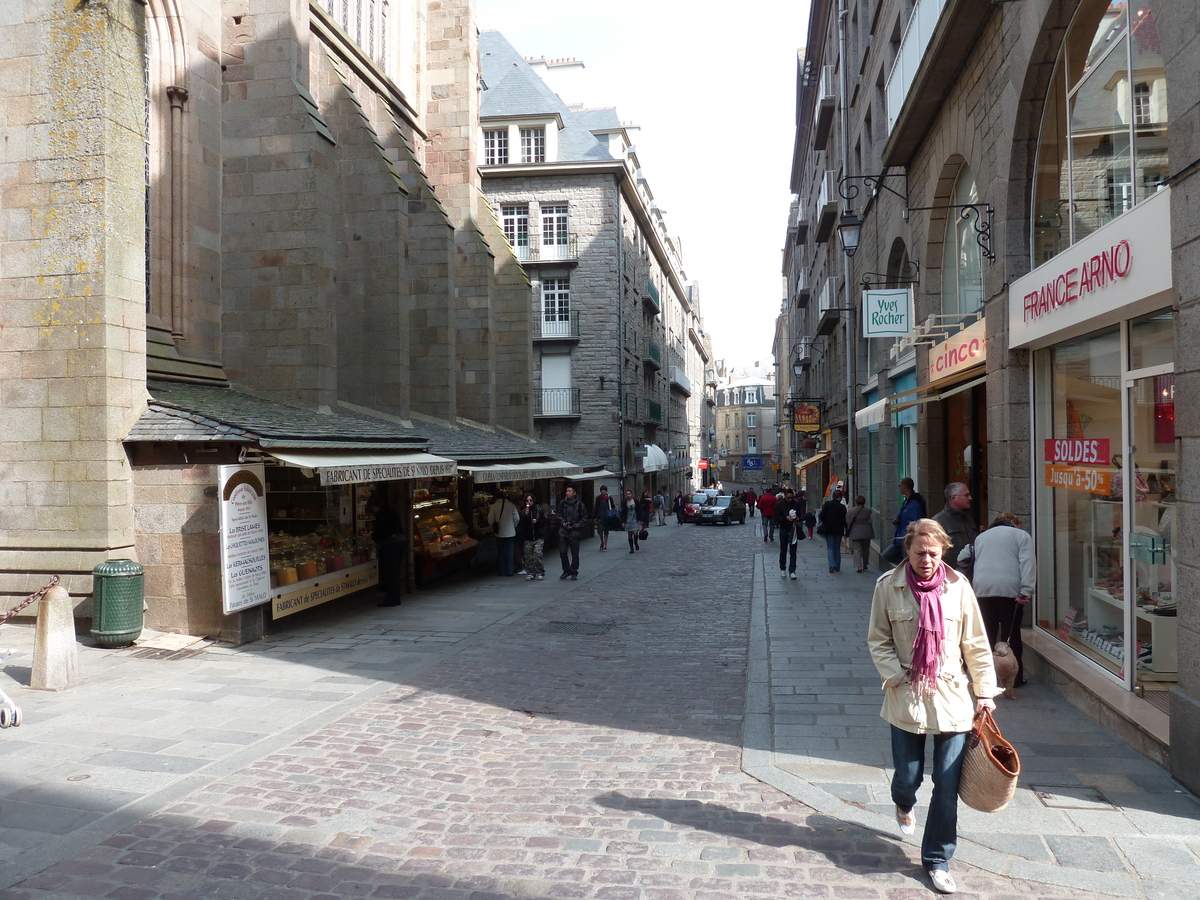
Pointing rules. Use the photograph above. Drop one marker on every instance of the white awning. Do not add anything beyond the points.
(875, 414)
(522, 471)
(656, 459)
(588, 476)
(356, 467)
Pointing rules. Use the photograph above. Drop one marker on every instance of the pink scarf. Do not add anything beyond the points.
(931, 630)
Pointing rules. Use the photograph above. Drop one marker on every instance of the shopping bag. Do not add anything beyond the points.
(990, 767)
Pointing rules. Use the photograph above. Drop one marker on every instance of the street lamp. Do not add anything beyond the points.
(850, 230)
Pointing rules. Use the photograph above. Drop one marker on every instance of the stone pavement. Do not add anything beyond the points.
(495, 738)
(1090, 812)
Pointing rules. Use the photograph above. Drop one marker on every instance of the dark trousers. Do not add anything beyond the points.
(787, 547)
(862, 552)
(391, 570)
(1002, 620)
(568, 551)
(908, 756)
(768, 527)
(504, 555)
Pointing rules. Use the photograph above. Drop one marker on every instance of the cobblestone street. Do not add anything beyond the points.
(591, 748)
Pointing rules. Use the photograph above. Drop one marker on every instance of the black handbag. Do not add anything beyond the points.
(643, 534)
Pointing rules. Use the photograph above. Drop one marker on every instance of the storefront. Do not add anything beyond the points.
(320, 515)
(1103, 463)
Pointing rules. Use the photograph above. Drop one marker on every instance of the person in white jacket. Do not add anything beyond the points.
(1004, 580)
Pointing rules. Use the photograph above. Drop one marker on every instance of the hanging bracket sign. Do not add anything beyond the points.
(887, 312)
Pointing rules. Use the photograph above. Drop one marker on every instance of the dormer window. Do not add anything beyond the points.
(533, 145)
(495, 147)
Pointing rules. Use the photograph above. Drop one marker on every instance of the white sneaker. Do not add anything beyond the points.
(793, 576)
(783, 573)
(908, 825)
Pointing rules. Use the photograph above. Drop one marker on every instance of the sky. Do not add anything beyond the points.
(714, 94)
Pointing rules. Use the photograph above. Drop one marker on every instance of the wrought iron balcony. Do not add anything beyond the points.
(558, 248)
(557, 327)
(556, 403)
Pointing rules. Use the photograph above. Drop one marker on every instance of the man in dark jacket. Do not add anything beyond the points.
(789, 516)
(603, 505)
(956, 518)
(391, 542)
(571, 516)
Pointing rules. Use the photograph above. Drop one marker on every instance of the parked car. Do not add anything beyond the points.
(692, 504)
(725, 510)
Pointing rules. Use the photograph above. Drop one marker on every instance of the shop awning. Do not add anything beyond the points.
(813, 460)
(656, 459)
(341, 467)
(588, 476)
(872, 415)
(937, 390)
(522, 471)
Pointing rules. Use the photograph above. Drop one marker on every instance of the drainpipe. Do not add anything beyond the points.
(620, 331)
(851, 348)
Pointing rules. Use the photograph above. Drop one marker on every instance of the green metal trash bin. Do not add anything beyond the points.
(118, 588)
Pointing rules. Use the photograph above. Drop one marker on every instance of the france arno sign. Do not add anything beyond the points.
(806, 418)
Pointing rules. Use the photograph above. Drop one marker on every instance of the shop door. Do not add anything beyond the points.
(1149, 494)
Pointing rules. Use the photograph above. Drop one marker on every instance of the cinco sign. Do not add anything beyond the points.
(965, 350)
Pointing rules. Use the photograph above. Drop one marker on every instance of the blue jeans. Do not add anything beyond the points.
(908, 756)
(833, 550)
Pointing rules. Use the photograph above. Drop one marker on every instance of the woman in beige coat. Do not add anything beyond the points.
(928, 643)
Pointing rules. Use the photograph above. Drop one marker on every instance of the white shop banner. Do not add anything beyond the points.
(887, 312)
(245, 553)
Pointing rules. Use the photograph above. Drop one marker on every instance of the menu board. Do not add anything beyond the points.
(245, 561)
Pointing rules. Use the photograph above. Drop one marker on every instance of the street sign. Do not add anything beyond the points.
(752, 463)
(703, 464)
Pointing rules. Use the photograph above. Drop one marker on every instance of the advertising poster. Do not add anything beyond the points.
(245, 558)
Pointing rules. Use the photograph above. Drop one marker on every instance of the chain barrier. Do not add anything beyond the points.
(32, 598)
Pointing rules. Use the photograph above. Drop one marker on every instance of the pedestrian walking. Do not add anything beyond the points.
(1004, 578)
(645, 508)
(911, 509)
(677, 506)
(831, 525)
(925, 628)
(766, 505)
(751, 499)
(600, 509)
(631, 516)
(531, 528)
(660, 508)
(571, 516)
(789, 513)
(861, 531)
(810, 522)
(503, 517)
(957, 520)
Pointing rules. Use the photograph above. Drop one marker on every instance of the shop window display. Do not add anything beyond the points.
(1106, 497)
(441, 538)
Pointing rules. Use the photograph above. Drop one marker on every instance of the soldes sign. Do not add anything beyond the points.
(1072, 451)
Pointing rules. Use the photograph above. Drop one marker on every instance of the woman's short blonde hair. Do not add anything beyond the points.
(929, 528)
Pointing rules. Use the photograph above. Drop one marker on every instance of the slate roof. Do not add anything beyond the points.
(180, 412)
(512, 88)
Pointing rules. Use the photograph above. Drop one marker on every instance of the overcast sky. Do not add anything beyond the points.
(714, 95)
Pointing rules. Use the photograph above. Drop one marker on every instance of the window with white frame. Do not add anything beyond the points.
(554, 231)
(495, 147)
(533, 145)
(514, 219)
(752, 443)
(751, 395)
(751, 420)
(556, 307)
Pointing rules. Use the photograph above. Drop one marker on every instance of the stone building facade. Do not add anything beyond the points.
(747, 436)
(1024, 171)
(619, 347)
(279, 197)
